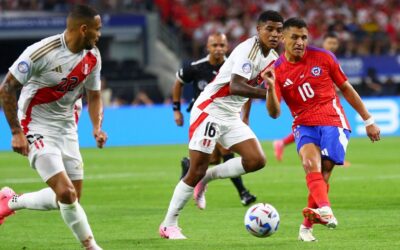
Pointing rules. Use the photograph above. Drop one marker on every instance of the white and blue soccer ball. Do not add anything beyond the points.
(261, 220)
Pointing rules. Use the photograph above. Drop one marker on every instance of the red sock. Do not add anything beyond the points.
(288, 139)
(318, 188)
(312, 204)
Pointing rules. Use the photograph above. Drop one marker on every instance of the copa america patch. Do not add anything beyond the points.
(23, 67)
(316, 71)
(246, 68)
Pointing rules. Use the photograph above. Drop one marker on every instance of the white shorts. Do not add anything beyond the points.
(205, 131)
(62, 153)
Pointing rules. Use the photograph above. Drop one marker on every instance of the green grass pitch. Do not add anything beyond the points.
(127, 191)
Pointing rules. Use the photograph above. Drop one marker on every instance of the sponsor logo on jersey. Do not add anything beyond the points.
(23, 67)
(246, 67)
(316, 71)
(288, 82)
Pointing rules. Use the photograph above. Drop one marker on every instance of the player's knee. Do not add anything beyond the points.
(215, 161)
(67, 195)
(310, 166)
(254, 164)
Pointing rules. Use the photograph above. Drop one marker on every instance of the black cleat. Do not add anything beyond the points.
(185, 164)
(247, 198)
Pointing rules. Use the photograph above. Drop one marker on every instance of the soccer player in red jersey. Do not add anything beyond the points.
(305, 77)
(331, 43)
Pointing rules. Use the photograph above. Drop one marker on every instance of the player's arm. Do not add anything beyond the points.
(272, 102)
(238, 86)
(95, 107)
(246, 111)
(8, 95)
(176, 102)
(355, 101)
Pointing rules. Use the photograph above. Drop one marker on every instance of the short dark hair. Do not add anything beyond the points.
(331, 35)
(82, 11)
(294, 22)
(270, 15)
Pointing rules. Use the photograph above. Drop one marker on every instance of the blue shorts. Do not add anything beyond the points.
(331, 140)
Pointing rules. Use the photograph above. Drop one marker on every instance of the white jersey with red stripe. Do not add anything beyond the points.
(246, 60)
(53, 79)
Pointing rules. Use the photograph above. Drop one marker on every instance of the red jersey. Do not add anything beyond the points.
(308, 88)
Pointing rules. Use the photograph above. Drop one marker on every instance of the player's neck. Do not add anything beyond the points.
(216, 61)
(291, 58)
(71, 43)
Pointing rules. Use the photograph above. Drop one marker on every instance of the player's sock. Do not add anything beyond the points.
(76, 219)
(288, 139)
(44, 199)
(182, 194)
(312, 204)
(318, 188)
(231, 168)
(237, 181)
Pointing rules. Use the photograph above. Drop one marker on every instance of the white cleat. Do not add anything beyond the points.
(323, 215)
(171, 233)
(305, 234)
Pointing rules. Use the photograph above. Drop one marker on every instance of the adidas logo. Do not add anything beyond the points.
(288, 82)
(57, 69)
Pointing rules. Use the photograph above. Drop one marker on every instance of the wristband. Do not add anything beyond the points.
(176, 106)
(369, 121)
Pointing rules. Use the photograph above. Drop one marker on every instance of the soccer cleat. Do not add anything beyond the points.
(199, 195)
(185, 164)
(278, 149)
(6, 194)
(305, 234)
(247, 198)
(172, 233)
(323, 215)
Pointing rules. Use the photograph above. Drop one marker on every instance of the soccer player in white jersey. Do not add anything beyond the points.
(215, 117)
(53, 74)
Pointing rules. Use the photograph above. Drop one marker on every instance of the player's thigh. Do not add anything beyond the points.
(334, 141)
(45, 155)
(215, 157)
(72, 158)
(204, 132)
(222, 151)
(236, 133)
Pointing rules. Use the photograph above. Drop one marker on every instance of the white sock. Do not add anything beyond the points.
(44, 199)
(182, 194)
(228, 169)
(76, 219)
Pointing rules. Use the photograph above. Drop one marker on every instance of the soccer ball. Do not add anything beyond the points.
(261, 220)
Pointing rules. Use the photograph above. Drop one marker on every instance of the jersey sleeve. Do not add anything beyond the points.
(336, 71)
(243, 67)
(185, 74)
(278, 87)
(93, 81)
(24, 68)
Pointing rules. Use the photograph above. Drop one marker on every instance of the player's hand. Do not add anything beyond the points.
(178, 117)
(269, 77)
(20, 144)
(100, 137)
(373, 132)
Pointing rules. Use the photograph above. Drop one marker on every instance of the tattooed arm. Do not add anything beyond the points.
(8, 97)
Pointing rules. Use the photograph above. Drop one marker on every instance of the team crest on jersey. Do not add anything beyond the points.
(316, 71)
(202, 84)
(86, 68)
(246, 67)
(23, 67)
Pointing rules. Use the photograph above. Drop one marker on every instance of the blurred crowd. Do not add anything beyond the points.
(64, 5)
(363, 26)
